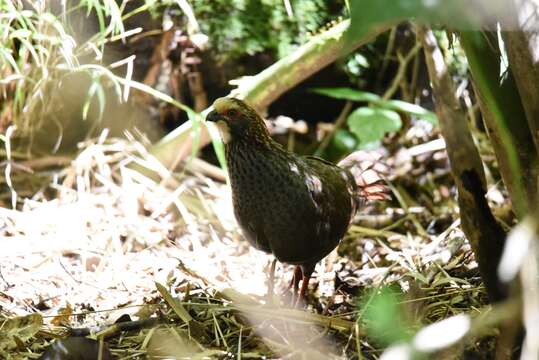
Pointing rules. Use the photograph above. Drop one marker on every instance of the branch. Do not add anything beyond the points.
(523, 52)
(485, 235)
(505, 119)
(264, 88)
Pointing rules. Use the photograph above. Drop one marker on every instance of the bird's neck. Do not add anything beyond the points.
(248, 145)
(247, 151)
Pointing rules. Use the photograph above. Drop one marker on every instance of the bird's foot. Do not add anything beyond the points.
(271, 282)
(294, 284)
(298, 294)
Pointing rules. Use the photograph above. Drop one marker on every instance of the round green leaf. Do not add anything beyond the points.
(371, 124)
(344, 141)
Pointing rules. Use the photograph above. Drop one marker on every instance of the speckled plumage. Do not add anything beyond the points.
(296, 207)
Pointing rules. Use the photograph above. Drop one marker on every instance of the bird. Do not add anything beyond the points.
(297, 208)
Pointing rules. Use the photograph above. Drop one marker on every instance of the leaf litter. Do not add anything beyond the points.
(155, 266)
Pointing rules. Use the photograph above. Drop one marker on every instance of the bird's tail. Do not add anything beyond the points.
(369, 174)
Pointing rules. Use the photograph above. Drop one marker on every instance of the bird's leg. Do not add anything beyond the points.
(298, 274)
(271, 281)
(294, 283)
(303, 289)
(306, 272)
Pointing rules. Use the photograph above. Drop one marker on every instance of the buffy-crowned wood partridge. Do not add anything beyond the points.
(296, 207)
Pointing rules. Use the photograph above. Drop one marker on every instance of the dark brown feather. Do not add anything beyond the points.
(297, 208)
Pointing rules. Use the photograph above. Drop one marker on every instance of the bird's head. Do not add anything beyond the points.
(237, 121)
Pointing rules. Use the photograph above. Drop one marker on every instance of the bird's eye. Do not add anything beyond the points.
(232, 113)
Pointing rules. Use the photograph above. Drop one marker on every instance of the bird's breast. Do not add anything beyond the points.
(282, 205)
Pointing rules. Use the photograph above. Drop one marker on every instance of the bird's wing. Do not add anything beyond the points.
(312, 158)
(325, 166)
(339, 179)
(332, 190)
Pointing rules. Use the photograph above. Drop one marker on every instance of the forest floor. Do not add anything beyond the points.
(101, 244)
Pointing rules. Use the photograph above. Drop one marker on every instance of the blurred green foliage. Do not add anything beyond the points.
(383, 317)
(342, 143)
(454, 54)
(246, 27)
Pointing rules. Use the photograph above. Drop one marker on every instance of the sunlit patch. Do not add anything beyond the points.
(293, 326)
(314, 184)
(224, 130)
(294, 168)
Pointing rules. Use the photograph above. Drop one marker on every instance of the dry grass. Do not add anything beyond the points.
(91, 246)
(155, 267)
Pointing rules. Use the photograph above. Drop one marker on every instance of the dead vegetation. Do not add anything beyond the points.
(150, 264)
(157, 267)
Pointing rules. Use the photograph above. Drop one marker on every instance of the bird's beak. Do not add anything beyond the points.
(221, 124)
(214, 116)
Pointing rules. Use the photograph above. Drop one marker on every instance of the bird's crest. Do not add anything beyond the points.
(232, 108)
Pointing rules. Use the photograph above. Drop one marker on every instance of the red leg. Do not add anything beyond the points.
(298, 274)
(303, 290)
(301, 273)
(294, 282)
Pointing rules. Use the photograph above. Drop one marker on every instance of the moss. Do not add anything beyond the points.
(246, 27)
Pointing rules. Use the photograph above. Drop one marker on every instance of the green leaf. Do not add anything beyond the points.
(383, 318)
(365, 96)
(505, 113)
(174, 304)
(20, 34)
(344, 141)
(371, 124)
(18, 330)
(196, 329)
(406, 107)
(347, 94)
(458, 14)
